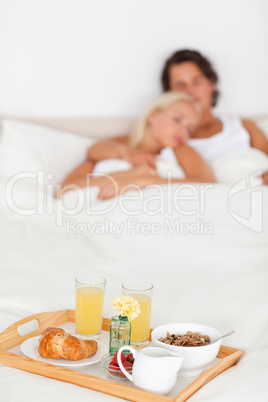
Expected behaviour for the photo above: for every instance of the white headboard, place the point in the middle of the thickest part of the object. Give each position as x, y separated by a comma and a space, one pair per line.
106, 127
104, 58
88, 126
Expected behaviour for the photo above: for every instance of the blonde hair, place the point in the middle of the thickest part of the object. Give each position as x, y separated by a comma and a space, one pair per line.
163, 102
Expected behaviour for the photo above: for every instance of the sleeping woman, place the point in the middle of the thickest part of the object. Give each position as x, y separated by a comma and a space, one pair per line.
167, 125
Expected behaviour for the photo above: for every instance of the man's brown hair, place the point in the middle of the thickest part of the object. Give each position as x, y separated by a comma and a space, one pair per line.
199, 60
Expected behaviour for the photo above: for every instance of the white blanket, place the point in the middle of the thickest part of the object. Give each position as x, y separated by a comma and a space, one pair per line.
204, 247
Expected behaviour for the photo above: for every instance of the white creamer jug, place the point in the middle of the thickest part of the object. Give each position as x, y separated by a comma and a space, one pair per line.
154, 369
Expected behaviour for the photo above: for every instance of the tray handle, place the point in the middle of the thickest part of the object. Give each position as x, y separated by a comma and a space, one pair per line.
31, 326
28, 327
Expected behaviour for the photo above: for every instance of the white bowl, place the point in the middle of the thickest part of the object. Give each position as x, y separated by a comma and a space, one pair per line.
195, 357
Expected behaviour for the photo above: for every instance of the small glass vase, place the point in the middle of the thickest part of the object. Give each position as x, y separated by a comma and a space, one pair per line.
120, 331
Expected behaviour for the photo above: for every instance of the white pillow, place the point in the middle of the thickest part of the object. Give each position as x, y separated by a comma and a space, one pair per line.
28, 147
240, 164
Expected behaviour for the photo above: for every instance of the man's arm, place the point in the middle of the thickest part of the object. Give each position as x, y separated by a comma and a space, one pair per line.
118, 148
106, 149
258, 139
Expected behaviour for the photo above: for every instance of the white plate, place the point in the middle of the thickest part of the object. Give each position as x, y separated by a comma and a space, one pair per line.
30, 349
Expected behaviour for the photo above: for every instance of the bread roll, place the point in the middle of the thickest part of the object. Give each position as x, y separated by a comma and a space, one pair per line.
55, 343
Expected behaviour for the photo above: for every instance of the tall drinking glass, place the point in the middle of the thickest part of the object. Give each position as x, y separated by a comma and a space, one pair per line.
140, 326
89, 304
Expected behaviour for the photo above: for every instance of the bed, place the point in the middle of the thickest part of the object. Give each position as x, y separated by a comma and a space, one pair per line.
203, 246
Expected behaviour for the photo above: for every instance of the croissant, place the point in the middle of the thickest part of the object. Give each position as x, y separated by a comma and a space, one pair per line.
55, 343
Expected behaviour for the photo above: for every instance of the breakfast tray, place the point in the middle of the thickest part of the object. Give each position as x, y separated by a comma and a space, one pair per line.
17, 333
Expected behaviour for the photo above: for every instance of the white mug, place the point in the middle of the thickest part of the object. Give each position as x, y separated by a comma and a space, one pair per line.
154, 369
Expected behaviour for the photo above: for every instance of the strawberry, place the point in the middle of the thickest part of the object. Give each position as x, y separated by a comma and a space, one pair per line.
128, 367
130, 358
123, 358
113, 368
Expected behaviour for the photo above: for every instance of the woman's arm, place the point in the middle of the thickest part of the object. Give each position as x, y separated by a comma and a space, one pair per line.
75, 177
194, 166
196, 170
143, 176
108, 180
101, 150
258, 139
118, 148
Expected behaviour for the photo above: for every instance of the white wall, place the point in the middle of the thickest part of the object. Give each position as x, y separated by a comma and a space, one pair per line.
104, 57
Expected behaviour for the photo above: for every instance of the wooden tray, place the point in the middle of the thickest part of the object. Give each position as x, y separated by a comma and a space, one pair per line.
13, 336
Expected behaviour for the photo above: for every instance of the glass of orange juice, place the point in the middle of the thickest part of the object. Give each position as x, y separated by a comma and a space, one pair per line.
89, 291
140, 326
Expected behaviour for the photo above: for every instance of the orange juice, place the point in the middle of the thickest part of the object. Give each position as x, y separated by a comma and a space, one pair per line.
140, 326
88, 311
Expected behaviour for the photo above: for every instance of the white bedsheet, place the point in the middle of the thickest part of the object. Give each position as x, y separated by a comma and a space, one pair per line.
211, 270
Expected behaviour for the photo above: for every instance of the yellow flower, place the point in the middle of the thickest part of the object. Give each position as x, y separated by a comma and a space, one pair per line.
127, 305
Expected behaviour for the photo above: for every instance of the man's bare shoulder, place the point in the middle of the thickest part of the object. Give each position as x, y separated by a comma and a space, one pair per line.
121, 138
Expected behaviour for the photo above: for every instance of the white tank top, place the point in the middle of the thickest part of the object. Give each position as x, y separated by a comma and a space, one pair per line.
232, 137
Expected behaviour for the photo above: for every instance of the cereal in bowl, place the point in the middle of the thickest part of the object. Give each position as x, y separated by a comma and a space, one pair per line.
188, 339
